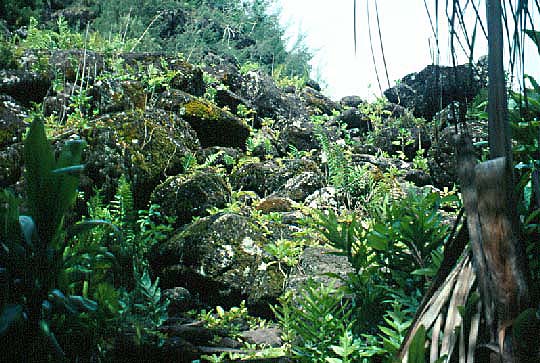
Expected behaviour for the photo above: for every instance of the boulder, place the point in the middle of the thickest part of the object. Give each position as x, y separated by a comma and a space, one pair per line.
353, 118
441, 156
220, 258
76, 64
186, 196
11, 160
301, 134
300, 186
213, 125
173, 22
116, 95
223, 156
274, 204
351, 101
268, 100
313, 84
406, 138
227, 98
186, 77
418, 177
422, 93
320, 265
318, 104
225, 70
269, 337
25, 87
324, 198
180, 300
72, 64
145, 146
268, 177
76, 16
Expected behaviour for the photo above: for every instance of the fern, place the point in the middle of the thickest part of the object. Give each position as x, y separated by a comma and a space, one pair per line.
315, 322
122, 209
147, 299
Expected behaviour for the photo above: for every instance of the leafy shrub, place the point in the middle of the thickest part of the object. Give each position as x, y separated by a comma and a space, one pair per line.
140, 231
314, 321
410, 240
33, 260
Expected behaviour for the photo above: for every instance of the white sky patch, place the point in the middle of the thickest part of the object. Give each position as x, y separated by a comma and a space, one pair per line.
406, 36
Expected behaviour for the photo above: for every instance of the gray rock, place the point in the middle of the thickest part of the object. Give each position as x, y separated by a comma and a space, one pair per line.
317, 103
420, 91
351, 101
268, 100
145, 146
268, 177
265, 336
355, 119
221, 258
214, 126
299, 187
188, 78
23, 86
323, 198
315, 264
12, 121
186, 196
180, 300
300, 134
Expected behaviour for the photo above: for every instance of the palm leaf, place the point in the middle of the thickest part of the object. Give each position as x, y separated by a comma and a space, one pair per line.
443, 308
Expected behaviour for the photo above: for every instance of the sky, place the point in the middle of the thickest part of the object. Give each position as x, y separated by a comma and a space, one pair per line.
406, 38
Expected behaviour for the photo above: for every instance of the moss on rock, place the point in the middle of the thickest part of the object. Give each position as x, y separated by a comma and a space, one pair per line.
187, 196
221, 258
146, 146
214, 126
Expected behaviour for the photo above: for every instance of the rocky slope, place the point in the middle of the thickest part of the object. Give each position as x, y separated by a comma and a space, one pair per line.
256, 167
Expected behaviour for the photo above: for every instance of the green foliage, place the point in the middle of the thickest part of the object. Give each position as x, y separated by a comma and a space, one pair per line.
344, 234
60, 38
285, 251
34, 250
249, 67
140, 231
314, 322
7, 56
393, 333
283, 80
347, 350
19, 12
409, 240
342, 173
232, 320
146, 309
244, 31
128, 295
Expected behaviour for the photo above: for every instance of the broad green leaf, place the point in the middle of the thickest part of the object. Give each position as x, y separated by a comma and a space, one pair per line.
535, 84
58, 298
28, 229
377, 240
39, 162
428, 271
